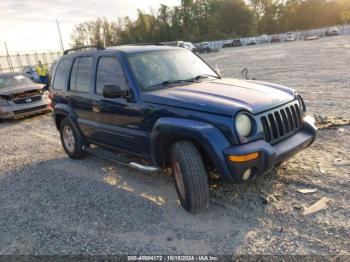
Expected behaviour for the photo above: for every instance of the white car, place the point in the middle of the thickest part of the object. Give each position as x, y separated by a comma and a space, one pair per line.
332, 31
251, 41
291, 36
189, 46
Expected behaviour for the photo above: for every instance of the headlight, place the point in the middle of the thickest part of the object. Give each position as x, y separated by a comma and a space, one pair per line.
243, 125
46, 94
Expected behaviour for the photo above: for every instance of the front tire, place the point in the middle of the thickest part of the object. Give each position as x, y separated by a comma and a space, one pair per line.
190, 175
71, 141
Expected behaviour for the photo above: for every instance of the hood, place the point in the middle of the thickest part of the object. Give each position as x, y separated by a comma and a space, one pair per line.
9, 91
223, 96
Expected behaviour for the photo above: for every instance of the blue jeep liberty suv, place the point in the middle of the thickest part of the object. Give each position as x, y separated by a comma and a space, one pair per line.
166, 107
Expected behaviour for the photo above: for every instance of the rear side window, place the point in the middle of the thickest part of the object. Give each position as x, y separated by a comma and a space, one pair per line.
81, 74
61, 74
109, 71
73, 75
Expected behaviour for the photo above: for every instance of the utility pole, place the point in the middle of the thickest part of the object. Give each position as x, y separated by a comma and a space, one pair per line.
59, 34
8, 58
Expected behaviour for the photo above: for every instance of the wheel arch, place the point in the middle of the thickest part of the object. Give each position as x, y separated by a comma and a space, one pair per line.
63, 111
206, 137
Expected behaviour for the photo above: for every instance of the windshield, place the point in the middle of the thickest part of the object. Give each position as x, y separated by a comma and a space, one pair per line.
153, 68
14, 81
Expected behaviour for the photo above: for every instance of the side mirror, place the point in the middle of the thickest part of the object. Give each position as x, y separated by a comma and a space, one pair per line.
112, 91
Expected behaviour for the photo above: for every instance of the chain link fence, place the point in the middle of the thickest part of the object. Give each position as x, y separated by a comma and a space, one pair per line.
15, 63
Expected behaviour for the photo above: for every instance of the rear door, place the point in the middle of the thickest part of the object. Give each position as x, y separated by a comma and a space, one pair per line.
79, 92
119, 120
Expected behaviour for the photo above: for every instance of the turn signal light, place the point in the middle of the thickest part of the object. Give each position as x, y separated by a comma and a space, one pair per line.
244, 158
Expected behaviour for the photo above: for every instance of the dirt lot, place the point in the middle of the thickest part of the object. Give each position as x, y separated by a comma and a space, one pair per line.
50, 204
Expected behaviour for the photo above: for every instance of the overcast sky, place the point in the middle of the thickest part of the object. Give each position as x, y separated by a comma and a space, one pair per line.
29, 25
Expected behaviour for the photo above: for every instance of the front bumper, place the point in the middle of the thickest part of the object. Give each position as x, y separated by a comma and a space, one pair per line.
17, 111
270, 155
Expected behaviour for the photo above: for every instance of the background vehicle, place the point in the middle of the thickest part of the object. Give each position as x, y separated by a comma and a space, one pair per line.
275, 39
227, 43
236, 42
30, 72
205, 47
291, 36
166, 106
189, 46
251, 41
310, 37
173, 43
332, 31
263, 39
20, 96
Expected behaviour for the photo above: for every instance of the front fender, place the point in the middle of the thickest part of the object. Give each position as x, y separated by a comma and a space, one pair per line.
211, 138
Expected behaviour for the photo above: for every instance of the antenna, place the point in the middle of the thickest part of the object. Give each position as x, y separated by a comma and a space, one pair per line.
59, 34
8, 58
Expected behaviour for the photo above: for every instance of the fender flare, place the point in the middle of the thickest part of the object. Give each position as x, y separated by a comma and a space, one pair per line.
66, 111
211, 138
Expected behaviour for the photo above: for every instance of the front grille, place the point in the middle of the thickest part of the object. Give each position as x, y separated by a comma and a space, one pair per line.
17, 112
27, 100
281, 122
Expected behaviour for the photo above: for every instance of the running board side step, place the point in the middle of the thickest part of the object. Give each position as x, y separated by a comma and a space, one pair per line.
98, 152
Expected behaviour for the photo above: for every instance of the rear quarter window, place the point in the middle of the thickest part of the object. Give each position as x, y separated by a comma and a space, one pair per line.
61, 74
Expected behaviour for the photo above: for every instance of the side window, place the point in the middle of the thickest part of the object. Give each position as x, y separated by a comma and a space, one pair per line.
73, 74
81, 74
61, 74
109, 71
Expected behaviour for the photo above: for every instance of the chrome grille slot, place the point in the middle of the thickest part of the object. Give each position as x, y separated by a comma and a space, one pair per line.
273, 126
30, 109
27, 100
266, 128
281, 122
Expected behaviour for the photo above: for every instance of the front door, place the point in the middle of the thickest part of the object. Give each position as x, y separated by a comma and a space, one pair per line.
118, 121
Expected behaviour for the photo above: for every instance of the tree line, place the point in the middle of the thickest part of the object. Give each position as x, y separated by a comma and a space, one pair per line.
199, 20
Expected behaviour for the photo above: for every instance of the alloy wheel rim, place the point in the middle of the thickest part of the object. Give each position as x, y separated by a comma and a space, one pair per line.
69, 139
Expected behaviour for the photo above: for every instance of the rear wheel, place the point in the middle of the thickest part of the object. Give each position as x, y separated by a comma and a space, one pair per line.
71, 140
190, 175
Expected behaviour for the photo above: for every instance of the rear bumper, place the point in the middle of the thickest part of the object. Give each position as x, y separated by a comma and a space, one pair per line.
270, 155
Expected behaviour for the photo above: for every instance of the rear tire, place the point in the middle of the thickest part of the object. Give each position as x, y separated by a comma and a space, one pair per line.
71, 141
190, 175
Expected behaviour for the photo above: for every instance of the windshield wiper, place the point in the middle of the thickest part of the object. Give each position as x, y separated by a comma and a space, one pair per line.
170, 82
203, 76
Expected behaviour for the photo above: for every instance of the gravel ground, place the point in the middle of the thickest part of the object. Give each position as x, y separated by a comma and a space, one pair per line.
318, 69
50, 204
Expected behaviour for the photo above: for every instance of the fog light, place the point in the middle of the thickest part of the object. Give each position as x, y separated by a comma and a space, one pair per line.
246, 174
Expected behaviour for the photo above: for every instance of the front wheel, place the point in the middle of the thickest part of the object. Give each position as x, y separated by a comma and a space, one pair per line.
191, 178
71, 140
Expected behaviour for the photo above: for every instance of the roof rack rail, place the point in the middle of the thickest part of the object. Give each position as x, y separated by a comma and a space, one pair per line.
98, 47
141, 44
